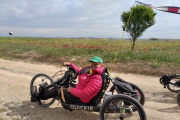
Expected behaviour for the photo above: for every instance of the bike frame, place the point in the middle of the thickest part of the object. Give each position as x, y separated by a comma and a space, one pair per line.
110, 104
174, 77
86, 107
59, 81
166, 79
82, 106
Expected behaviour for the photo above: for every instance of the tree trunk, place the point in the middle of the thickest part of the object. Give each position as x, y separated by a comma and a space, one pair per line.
133, 44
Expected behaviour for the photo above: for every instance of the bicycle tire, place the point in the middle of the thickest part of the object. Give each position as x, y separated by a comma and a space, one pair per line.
41, 102
142, 100
126, 98
178, 98
172, 89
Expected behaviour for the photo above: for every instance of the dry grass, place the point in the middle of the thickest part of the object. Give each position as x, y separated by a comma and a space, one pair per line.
144, 68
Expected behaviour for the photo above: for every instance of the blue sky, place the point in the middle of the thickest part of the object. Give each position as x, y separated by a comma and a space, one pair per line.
80, 18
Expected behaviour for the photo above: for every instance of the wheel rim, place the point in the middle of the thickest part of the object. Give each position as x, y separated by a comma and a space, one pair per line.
39, 80
114, 110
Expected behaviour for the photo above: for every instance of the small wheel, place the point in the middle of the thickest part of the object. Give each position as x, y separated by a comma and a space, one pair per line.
121, 117
138, 90
178, 98
114, 108
36, 81
173, 88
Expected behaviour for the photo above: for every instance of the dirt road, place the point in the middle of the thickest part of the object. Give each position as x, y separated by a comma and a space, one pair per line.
15, 102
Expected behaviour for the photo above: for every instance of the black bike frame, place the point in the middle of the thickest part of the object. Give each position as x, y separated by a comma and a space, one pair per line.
80, 106
59, 81
86, 107
177, 75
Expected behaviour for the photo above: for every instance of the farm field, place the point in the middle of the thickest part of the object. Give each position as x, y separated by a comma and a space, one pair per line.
150, 57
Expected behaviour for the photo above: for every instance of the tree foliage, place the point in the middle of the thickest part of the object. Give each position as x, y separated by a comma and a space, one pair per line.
142, 18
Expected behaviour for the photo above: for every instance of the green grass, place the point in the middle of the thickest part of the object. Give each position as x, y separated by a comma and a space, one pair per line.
145, 50
3, 110
1, 118
150, 57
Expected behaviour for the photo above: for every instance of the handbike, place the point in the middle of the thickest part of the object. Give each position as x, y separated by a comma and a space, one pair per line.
110, 107
172, 82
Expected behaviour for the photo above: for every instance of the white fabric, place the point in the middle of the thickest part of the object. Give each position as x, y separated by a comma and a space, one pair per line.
163, 8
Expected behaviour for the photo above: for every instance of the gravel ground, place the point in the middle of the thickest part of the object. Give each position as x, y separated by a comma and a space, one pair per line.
15, 78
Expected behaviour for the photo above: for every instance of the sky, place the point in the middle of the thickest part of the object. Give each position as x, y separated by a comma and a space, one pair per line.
81, 18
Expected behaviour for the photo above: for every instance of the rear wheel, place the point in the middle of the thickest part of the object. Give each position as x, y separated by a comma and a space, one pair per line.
140, 93
173, 88
38, 80
178, 98
114, 107
138, 90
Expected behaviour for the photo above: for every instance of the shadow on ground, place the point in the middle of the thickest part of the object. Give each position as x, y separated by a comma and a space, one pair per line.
28, 110
162, 97
175, 109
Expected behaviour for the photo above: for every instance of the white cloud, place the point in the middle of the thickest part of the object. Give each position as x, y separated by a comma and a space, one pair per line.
80, 18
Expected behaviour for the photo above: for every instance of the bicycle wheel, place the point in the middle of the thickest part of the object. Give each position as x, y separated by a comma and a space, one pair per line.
140, 93
178, 98
36, 81
114, 107
173, 88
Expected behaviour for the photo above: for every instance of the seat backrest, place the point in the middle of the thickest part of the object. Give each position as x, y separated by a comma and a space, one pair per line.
105, 85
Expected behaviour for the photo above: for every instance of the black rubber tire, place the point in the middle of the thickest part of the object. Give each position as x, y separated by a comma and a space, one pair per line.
139, 107
142, 100
178, 98
32, 83
172, 90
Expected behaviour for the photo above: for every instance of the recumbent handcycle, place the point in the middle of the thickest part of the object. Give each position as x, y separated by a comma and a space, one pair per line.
123, 102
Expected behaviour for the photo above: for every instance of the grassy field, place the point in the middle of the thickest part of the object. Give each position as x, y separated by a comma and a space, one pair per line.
151, 54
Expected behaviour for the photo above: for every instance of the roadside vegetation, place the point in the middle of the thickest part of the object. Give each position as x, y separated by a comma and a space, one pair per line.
136, 23
150, 57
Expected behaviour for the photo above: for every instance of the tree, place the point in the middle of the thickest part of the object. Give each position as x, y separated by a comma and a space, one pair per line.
142, 18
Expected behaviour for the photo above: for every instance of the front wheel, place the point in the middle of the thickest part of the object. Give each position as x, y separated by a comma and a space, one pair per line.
114, 107
38, 80
178, 98
173, 88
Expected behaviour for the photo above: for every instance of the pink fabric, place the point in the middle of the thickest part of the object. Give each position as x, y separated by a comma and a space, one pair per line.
88, 85
171, 9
